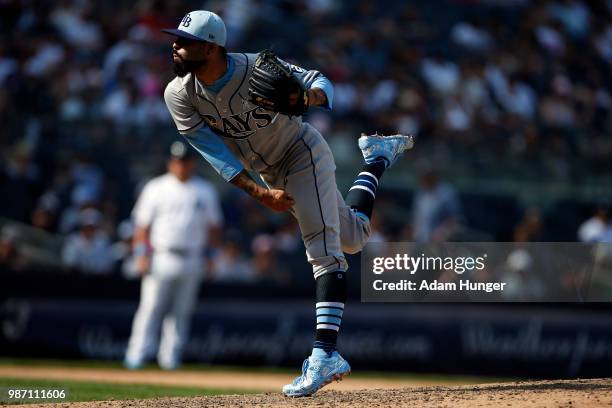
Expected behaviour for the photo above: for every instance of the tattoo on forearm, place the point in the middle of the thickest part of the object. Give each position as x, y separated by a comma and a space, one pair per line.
244, 181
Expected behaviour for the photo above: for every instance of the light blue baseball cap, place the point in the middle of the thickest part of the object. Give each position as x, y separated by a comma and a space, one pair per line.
201, 25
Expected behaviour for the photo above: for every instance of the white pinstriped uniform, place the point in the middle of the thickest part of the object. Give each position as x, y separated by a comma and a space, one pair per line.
179, 216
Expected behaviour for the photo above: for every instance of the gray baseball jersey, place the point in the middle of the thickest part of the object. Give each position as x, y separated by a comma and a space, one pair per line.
258, 138
231, 133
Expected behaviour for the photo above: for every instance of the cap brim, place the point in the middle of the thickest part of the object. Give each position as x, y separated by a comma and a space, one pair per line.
180, 33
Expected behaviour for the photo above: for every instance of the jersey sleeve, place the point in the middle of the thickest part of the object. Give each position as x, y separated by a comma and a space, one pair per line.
144, 210
215, 152
186, 118
314, 79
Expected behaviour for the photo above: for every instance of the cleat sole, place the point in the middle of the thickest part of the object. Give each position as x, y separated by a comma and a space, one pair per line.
337, 377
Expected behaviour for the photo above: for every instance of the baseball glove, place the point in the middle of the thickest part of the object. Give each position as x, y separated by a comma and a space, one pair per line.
273, 86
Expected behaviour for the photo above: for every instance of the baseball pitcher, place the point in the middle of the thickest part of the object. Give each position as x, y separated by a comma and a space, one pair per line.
242, 112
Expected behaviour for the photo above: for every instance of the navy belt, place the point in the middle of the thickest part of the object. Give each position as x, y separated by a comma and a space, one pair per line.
182, 251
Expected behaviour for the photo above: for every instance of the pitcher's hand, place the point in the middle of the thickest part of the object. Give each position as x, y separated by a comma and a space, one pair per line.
277, 200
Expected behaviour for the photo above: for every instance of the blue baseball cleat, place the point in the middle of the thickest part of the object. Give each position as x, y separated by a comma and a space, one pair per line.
316, 373
388, 147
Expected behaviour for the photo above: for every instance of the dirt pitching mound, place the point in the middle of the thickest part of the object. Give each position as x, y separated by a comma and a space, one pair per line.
571, 393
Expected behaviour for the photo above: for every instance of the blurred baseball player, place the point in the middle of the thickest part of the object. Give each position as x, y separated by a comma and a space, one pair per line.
176, 216
242, 112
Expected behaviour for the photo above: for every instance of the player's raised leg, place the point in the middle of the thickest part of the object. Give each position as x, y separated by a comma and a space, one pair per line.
379, 153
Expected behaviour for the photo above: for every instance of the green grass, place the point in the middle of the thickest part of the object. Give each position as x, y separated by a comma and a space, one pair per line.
465, 379
90, 391
50, 362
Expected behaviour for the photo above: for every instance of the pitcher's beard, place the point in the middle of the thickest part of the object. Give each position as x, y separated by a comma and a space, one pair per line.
184, 67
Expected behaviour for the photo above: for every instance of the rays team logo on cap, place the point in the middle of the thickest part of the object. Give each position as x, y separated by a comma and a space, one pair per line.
186, 21
201, 25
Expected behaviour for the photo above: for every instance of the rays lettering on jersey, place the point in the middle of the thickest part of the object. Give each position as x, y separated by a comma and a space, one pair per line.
241, 125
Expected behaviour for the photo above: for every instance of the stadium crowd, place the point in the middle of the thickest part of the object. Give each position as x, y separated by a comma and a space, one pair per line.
489, 87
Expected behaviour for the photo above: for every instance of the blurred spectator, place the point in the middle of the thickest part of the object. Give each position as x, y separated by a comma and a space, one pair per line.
48, 56
471, 37
556, 111
456, 117
592, 229
45, 215
230, 264
265, 261
574, 15
522, 277
518, 98
550, 39
20, 183
238, 15
130, 49
436, 209
441, 76
83, 197
474, 93
87, 174
377, 229
529, 229
88, 250
288, 238
122, 251
75, 21
603, 43
10, 258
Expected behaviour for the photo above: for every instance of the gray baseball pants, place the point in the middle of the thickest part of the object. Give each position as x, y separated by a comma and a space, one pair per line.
329, 227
